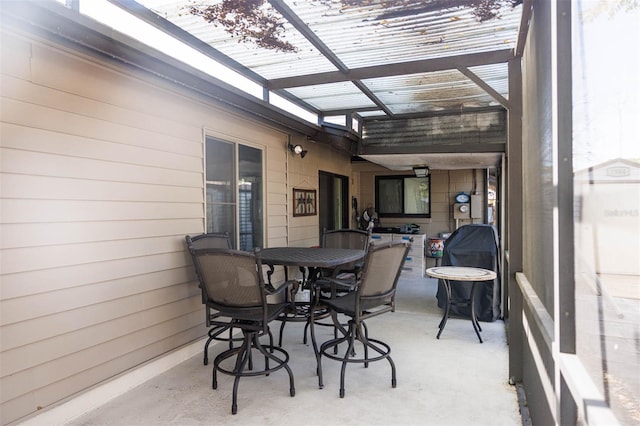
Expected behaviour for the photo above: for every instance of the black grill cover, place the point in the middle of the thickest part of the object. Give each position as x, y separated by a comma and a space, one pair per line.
473, 245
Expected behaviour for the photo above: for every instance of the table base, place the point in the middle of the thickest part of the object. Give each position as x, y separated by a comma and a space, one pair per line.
467, 302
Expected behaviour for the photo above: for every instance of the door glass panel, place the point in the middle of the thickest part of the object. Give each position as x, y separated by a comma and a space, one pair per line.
221, 170
333, 205
242, 219
337, 203
250, 197
220, 217
221, 187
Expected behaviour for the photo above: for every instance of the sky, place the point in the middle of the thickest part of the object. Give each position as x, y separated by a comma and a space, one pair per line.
606, 85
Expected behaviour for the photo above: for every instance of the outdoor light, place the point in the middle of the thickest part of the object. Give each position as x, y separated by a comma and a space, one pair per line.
298, 150
421, 171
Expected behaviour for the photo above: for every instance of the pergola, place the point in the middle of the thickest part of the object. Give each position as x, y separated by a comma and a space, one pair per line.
379, 76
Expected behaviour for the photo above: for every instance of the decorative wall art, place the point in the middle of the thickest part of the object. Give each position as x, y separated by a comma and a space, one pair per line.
304, 202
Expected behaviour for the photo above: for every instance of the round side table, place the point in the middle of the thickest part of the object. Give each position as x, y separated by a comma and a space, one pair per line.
461, 273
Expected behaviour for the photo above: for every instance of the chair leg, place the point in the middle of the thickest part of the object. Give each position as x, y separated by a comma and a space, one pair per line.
284, 363
282, 324
206, 349
230, 337
384, 353
270, 340
393, 372
241, 362
314, 343
213, 333
325, 347
357, 330
362, 334
335, 336
304, 333
290, 297
240, 353
255, 344
351, 338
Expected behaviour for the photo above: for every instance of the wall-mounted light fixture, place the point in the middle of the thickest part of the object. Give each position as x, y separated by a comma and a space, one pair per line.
298, 150
421, 171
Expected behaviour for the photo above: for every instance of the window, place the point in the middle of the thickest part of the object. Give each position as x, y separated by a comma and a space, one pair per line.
234, 192
403, 196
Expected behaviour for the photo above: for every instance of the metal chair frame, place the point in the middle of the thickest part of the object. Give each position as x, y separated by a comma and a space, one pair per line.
211, 240
374, 295
234, 286
326, 281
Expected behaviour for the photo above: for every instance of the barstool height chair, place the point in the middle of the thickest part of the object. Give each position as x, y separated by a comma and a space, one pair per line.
211, 240
234, 287
374, 295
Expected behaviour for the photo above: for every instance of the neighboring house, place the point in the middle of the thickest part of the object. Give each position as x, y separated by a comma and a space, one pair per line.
609, 209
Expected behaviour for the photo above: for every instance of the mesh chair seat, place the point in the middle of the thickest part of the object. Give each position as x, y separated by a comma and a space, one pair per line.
347, 304
256, 314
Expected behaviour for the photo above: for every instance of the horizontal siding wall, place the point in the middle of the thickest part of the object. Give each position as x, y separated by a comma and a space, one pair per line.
304, 231
101, 177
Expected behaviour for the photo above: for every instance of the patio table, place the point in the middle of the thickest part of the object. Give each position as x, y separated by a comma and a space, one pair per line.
461, 274
311, 258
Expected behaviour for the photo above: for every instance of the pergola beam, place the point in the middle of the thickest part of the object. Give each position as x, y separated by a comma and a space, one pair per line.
432, 149
304, 29
484, 86
387, 70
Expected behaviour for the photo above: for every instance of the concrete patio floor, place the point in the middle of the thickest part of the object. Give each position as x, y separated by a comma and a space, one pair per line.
451, 381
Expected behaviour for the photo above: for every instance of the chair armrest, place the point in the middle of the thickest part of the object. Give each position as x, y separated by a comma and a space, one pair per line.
336, 283
271, 290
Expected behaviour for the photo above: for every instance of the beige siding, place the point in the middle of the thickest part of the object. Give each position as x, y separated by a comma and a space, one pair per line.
303, 173
101, 174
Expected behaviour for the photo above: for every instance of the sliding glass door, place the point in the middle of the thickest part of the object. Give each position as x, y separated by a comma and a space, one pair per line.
234, 192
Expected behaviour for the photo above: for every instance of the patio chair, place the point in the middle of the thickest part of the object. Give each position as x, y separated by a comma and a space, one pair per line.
319, 278
211, 240
234, 286
330, 283
346, 238
373, 296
